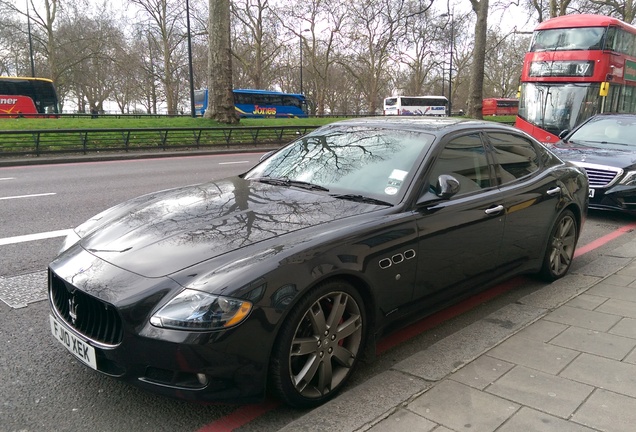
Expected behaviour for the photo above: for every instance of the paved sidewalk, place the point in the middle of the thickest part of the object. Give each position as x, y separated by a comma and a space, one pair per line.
561, 359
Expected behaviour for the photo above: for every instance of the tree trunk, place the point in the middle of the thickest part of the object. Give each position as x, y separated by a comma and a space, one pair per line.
476, 92
220, 95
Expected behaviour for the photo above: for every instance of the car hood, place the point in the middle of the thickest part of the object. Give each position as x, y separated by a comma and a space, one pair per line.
159, 234
575, 152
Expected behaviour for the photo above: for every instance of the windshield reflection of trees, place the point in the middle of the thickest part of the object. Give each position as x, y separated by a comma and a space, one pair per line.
328, 158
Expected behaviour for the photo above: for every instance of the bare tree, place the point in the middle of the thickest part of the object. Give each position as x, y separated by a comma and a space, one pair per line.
624, 10
255, 45
504, 60
372, 32
166, 16
220, 95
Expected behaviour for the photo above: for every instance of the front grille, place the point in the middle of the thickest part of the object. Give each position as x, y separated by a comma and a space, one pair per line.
89, 316
600, 176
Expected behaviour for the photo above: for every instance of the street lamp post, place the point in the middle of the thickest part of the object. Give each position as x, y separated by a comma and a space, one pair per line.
190, 69
300, 47
30, 40
450, 67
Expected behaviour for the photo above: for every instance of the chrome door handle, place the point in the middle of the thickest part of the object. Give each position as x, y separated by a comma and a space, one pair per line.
494, 210
554, 191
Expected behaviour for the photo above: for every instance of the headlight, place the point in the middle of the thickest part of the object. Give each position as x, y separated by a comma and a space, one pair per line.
196, 310
70, 240
629, 179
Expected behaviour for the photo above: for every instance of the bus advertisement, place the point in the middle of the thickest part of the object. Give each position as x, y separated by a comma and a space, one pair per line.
416, 106
499, 106
259, 103
577, 66
27, 97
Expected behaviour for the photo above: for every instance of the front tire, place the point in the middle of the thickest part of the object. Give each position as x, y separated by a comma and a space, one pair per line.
561, 245
319, 345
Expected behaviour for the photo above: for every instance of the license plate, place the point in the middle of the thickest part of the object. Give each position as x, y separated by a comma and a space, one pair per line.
76, 346
591, 193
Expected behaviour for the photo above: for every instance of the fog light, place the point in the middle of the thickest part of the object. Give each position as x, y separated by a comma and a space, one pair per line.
203, 379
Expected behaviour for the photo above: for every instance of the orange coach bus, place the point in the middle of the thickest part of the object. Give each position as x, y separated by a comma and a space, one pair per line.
27, 97
577, 66
499, 106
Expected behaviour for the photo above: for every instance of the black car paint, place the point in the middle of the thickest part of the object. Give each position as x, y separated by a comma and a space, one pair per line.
387, 252
616, 196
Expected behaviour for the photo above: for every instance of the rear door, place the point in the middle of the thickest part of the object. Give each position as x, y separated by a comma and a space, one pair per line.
459, 238
531, 195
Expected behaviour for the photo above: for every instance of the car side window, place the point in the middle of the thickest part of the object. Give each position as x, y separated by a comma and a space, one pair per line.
515, 156
465, 159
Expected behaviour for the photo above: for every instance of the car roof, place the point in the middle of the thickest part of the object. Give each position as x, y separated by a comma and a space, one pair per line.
433, 125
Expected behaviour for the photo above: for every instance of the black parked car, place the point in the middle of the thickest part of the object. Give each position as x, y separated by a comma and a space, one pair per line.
284, 277
605, 146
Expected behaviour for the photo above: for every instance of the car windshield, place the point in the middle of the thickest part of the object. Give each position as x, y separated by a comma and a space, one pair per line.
612, 133
348, 162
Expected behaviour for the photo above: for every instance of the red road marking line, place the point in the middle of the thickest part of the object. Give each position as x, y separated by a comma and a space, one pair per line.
246, 414
605, 239
240, 417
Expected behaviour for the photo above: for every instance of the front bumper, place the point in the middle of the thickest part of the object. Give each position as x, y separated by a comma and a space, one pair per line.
109, 309
622, 198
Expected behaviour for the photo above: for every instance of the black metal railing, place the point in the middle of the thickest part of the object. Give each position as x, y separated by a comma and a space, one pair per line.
85, 141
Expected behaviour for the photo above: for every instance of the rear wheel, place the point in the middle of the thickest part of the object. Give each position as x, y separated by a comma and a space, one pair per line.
319, 345
560, 251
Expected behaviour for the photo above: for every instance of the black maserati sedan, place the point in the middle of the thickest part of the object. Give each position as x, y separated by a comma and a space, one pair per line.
605, 146
281, 279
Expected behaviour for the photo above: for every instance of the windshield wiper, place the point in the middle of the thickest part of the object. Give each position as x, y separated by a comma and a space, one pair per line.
289, 182
362, 199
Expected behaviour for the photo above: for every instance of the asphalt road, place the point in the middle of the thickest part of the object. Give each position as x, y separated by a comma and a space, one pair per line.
43, 388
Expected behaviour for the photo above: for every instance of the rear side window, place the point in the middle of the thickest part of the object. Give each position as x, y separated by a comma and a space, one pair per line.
515, 156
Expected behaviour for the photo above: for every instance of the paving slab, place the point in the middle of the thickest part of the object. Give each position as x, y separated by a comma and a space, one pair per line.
613, 375
583, 318
404, 420
594, 342
604, 289
530, 420
482, 372
607, 411
625, 327
534, 354
622, 308
542, 331
586, 301
462, 408
548, 393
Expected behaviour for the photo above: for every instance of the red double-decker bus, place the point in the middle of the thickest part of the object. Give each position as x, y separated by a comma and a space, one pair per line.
577, 66
499, 106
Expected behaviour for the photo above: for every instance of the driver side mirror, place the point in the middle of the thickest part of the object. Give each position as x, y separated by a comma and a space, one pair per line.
446, 186
564, 133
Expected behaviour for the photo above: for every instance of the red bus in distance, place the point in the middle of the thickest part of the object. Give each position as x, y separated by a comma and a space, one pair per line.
577, 66
499, 106
27, 97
